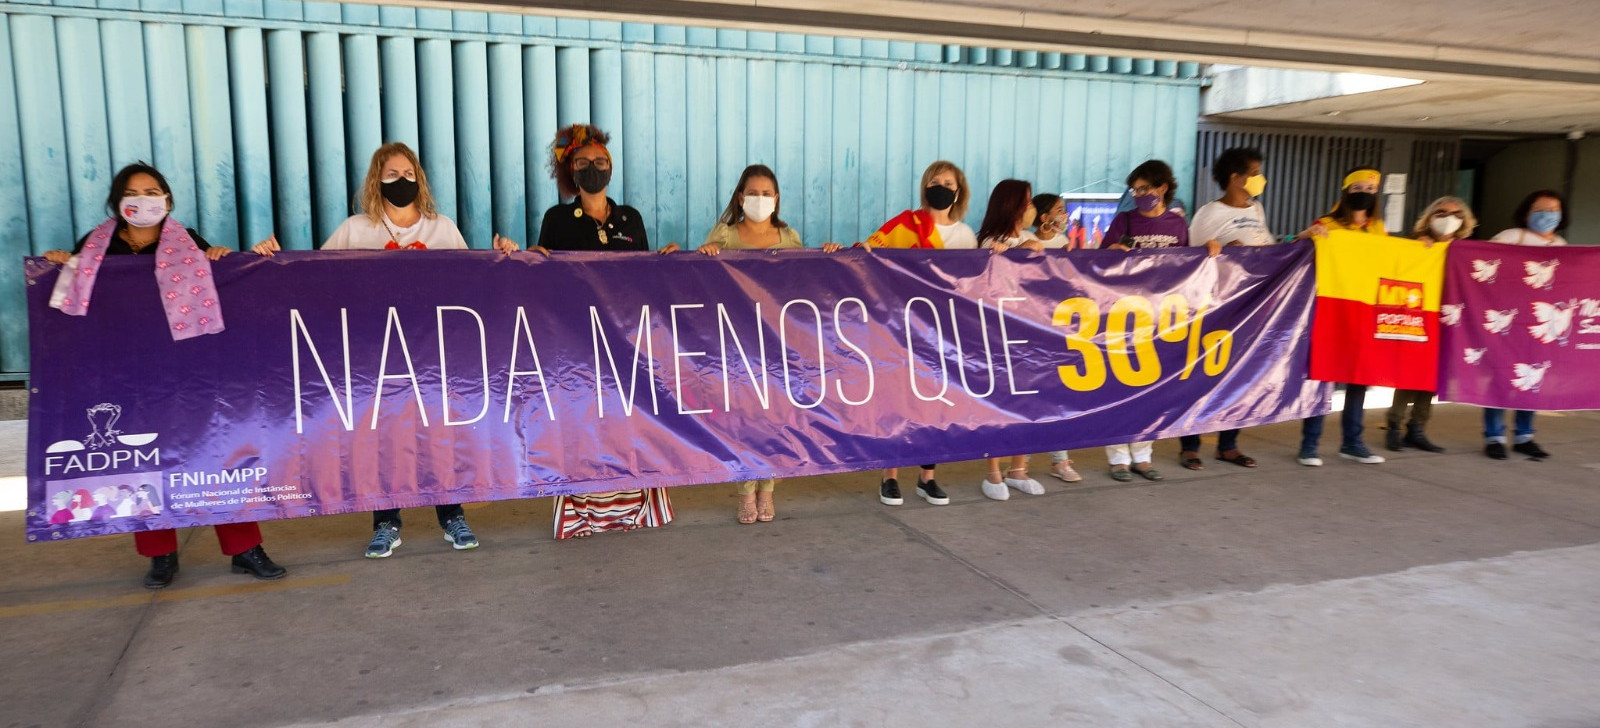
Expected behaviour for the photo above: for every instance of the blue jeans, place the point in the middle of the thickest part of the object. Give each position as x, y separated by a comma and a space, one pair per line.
1350, 422
1494, 425
1226, 440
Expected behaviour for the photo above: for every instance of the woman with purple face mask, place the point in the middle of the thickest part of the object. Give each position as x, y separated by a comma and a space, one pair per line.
1540, 219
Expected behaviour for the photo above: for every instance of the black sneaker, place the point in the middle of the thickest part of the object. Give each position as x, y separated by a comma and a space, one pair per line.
1496, 450
889, 492
930, 491
1421, 442
1531, 449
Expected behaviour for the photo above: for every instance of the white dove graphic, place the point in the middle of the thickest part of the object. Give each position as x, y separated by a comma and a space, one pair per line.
1555, 322
1484, 271
1472, 356
1540, 275
1498, 322
1450, 313
1529, 376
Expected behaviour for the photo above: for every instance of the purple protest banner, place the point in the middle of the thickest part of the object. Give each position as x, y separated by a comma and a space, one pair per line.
1520, 326
361, 381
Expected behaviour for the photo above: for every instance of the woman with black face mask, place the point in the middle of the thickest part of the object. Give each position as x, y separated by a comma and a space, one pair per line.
397, 213
1356, 210
581, 166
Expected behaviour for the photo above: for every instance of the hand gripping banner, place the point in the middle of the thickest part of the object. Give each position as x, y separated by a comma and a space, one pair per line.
359, 381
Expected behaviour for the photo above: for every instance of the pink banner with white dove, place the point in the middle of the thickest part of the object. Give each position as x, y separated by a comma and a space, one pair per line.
1520, 326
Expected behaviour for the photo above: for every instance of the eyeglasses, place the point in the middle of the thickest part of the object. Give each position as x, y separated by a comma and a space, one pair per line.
600, 163
392, 175
1143, 190
1449, 213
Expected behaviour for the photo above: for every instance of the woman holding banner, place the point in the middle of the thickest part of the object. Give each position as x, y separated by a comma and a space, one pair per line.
1446, 219
1356, 210
1151, 224
937, 224
751, 222
1051, 231
140, 203
1235, 219
398, 213
1540, 219
1005, 227
581, 166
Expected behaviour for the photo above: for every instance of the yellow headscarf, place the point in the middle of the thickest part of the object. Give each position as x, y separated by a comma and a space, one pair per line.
1359, 176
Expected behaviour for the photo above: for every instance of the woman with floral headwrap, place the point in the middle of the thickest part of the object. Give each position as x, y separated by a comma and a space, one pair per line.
1356, 210
593, 221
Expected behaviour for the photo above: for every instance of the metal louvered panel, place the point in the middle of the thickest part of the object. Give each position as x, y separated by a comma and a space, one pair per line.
1304, 167
262, 116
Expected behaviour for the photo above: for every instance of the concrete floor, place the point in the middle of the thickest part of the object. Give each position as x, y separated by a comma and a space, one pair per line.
1433, 590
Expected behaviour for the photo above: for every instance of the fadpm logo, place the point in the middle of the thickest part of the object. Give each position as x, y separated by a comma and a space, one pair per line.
104, 448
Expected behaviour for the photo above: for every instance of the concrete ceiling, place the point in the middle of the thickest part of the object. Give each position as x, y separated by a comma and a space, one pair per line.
1488, 65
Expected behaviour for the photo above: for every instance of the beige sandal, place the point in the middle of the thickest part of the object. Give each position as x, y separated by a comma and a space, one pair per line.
747, 508
764, 510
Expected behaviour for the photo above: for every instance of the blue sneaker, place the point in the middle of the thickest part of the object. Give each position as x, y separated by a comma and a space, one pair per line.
385, 539
1309, 458
459, 535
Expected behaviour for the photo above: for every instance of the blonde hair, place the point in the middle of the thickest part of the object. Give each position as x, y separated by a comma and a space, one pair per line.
958, 210
1469, 222
372, 190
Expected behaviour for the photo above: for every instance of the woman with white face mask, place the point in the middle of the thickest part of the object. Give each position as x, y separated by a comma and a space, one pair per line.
751, 222
1447, 219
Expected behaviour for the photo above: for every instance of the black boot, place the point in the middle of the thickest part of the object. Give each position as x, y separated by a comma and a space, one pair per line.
256, 562
1392, 439
162, 570
1418, 439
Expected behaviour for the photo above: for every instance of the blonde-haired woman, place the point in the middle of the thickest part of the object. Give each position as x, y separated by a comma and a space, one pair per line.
1447, 219
398, 213
936, 224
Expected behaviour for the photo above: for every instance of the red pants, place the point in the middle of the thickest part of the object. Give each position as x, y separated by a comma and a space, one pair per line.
236, 538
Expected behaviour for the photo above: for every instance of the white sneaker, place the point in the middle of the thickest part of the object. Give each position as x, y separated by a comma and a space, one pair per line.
995, 491
1026, 485
1310, 462
1363, 458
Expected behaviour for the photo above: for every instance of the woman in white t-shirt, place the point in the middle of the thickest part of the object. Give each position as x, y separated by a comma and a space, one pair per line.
937, 224
397, 213
1540, 218
1232, 220
1005, 227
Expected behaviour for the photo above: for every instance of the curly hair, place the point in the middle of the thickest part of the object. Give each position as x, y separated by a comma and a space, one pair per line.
372, 187
569, 140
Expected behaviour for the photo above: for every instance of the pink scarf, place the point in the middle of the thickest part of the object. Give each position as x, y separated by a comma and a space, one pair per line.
183, 274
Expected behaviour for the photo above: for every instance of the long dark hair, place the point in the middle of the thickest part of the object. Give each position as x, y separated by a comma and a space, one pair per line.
1011, 197
119, 183
1343, 216
1525, 207
734, 212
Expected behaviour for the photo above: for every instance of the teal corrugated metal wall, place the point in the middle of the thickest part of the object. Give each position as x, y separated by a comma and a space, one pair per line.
262, 114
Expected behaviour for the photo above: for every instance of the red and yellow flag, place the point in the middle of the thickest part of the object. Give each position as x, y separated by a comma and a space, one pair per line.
1377, 316
909, 229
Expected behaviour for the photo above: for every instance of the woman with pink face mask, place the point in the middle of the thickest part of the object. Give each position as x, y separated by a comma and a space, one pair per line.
139, 203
